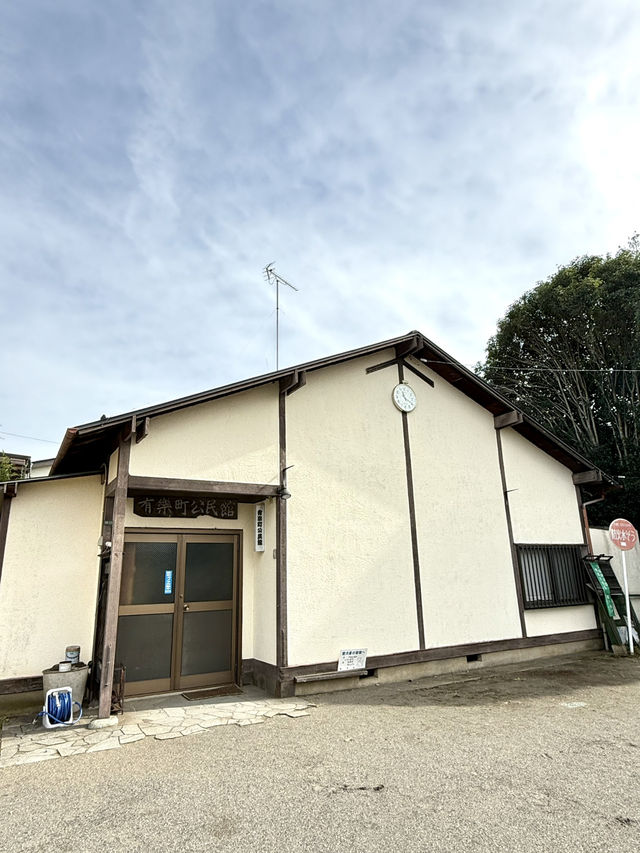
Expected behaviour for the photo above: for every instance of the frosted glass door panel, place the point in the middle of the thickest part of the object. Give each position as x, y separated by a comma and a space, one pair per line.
209, 571
206, 644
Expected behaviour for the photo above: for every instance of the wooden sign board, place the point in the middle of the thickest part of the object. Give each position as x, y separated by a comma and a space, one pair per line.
259, 545
154, 506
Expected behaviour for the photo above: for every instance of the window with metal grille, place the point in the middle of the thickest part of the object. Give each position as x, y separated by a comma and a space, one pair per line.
552, 575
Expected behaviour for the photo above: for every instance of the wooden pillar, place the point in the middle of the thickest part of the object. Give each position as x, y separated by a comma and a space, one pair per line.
9, 494
281, 545
514, 554
115, 575
413, 525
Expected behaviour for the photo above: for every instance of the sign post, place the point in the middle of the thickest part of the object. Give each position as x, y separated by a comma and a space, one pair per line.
624, 536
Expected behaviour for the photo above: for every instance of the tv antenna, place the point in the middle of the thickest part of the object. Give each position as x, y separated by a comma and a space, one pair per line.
272, 277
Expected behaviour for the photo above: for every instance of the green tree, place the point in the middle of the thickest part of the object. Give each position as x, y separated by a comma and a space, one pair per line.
568, 353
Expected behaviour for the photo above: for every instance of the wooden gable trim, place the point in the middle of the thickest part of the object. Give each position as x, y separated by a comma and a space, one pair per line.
382, 365
408, 347
168, 485
87, 444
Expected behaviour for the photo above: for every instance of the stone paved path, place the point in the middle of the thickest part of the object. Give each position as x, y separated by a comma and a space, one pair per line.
26, 743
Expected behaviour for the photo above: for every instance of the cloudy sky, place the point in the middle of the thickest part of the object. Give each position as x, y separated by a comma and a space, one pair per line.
404, 164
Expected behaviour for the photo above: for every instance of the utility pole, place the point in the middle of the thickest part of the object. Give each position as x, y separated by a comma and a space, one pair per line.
272, 277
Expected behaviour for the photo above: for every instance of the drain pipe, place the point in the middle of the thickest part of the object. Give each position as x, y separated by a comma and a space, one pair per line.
587, 529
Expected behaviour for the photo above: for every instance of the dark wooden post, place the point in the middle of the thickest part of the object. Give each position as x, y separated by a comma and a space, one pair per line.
115, 575
9, 493
500, 422
281, 545
413, 524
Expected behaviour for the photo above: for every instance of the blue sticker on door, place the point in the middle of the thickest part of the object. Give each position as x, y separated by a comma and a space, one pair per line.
168, 582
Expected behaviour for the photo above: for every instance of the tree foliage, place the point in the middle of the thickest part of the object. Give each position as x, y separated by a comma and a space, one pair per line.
8, 471
568, 353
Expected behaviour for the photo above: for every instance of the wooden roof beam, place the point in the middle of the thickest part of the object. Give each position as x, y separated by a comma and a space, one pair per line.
583, 477
512, 418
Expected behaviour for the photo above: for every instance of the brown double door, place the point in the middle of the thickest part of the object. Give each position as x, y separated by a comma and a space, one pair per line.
178, 615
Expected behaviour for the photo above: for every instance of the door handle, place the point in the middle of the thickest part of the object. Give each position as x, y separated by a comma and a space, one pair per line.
185, 607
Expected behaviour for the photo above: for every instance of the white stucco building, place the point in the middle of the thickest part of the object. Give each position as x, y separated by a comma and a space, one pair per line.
252, 532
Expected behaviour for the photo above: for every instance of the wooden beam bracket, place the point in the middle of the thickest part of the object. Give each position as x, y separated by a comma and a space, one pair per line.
408, 347
142, 430
581, 478
128, 433
512, 418
293, 381
420, 375
382, 365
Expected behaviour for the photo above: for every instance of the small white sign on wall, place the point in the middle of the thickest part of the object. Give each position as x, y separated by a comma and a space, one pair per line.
259, 527
352, 659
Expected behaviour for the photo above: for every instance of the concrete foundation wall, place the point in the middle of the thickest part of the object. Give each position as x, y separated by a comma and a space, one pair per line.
411, 672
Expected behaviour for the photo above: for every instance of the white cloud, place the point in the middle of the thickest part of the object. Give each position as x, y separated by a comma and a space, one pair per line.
407, 165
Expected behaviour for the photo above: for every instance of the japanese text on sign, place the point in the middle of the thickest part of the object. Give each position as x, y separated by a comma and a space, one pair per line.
352, 659
161, 507
260, 527
623, 534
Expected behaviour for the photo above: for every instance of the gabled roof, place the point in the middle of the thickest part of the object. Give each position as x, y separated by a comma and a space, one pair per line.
87, 446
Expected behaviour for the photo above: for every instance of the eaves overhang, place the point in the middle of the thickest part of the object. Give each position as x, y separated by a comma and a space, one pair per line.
88, 446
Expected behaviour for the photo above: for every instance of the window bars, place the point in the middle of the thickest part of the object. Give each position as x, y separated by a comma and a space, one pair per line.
552, 576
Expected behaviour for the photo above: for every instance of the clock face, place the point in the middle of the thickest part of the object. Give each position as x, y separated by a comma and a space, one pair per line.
404, 397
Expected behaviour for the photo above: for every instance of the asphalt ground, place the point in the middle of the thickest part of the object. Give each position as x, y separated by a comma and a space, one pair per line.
510, 759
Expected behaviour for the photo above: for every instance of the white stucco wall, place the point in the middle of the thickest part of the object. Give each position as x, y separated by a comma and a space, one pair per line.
234, 439
350, 569
50, 574
468, 589
559, 620
542, 497
258, 571
40, 468
112, 471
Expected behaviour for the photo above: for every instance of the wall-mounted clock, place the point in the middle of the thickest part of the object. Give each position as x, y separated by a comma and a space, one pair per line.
404, 397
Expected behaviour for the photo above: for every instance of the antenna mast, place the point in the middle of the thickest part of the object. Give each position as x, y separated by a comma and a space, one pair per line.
272, 277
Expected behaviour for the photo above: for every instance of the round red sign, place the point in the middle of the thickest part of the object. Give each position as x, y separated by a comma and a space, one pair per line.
623, 534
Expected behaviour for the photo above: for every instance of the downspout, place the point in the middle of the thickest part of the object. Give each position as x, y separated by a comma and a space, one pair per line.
587, 529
